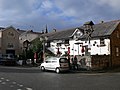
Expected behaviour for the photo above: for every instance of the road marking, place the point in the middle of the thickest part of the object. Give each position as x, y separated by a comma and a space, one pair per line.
21, 85
19, 89
11, 86
3, 83
2, 78
29, 88
14, 82
7, 80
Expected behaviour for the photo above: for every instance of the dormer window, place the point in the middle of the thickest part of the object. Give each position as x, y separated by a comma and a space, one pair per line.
77, 33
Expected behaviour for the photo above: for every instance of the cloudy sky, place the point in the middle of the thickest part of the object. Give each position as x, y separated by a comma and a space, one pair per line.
58, 14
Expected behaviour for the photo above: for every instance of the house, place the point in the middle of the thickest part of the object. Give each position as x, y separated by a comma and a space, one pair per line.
104, 47
104, 44
61, 41
9, 41
27, 35
12, 39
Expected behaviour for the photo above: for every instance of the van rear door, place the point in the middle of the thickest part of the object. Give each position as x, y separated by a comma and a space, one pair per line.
64, 62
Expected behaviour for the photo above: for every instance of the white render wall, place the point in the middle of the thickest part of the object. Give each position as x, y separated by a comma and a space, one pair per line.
53, 47
76, 49
100, 50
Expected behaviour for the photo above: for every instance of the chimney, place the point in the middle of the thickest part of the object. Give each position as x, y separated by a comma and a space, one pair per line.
42, 32
102, 22
31, 30
54, 30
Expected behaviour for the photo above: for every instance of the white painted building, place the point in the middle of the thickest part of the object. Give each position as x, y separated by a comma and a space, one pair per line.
76, 49
103, 46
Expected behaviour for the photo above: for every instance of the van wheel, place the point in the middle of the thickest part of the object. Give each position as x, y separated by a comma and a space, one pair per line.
57, 70
42, 68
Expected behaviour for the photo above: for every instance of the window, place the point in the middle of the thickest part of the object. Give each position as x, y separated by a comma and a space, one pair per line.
10, 33
10, 45
66, 42
118, 35
102, 42
54, 61
117, 51
48, 61
63, 60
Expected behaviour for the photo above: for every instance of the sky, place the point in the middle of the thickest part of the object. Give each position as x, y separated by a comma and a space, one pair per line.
56, 14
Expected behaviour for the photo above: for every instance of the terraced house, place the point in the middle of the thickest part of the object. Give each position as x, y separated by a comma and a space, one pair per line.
103, 48
9, 41
12, 39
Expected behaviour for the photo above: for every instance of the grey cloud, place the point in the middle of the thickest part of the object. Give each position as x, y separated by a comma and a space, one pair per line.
57, 14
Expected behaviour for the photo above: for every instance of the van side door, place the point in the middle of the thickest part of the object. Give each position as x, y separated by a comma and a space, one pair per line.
47, 65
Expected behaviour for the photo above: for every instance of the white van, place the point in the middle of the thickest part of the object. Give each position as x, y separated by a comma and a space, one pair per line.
56, 64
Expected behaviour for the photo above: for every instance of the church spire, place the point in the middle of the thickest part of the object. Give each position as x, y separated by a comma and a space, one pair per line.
46, 30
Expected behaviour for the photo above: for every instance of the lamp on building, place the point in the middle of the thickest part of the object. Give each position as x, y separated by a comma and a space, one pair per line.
44, 40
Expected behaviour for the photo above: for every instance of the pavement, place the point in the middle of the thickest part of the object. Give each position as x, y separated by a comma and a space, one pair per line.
110, 70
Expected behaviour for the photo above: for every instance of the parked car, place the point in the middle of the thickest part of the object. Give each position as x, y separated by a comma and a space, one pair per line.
8, 59
57, 64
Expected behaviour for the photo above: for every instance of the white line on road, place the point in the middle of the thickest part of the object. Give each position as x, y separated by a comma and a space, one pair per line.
2, 78
29, 88
19, 89
21, 85
7, 80
14, 82
3, 83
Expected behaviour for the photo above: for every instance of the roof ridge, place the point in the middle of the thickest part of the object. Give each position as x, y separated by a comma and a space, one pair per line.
108, 22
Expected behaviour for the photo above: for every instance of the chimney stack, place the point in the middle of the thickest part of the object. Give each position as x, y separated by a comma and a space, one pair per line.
54, 30
102, 22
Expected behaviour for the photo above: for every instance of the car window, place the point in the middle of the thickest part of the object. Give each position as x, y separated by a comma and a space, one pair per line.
54, 61
48, 61
63, 60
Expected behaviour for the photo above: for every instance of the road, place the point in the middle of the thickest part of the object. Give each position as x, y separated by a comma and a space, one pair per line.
19, 78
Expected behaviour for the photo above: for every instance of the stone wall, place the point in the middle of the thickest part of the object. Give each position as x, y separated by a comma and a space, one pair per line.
100, 61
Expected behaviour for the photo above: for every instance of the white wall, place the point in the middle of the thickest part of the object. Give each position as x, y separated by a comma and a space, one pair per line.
100, 50
76, 49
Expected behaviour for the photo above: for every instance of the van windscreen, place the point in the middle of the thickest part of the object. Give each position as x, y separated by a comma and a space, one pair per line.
63, 60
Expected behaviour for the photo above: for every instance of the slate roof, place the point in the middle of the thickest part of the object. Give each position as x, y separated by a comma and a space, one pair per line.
21, 31
2, 28
100, 30
104, 29
59, 35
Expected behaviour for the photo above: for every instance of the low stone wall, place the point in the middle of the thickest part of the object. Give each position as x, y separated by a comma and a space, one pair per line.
100, 61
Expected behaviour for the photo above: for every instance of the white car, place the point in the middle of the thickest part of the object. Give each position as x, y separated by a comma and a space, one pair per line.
56, 64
